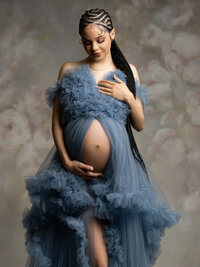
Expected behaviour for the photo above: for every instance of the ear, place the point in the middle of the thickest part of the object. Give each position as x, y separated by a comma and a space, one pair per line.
112, 34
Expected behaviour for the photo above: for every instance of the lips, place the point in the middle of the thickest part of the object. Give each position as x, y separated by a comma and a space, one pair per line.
96, 54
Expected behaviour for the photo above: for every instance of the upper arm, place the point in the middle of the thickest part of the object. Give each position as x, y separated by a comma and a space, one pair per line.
135, 72
56, 105
143, 94
136, 77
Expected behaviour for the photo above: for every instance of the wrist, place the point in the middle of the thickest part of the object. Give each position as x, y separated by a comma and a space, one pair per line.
129, 98
66, 159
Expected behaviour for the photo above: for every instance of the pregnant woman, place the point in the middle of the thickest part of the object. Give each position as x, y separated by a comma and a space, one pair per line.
94, 200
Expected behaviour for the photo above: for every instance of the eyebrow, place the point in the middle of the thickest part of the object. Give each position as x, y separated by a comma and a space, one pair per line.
95, 38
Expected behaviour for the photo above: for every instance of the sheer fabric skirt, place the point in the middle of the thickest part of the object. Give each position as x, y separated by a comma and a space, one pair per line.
131, 207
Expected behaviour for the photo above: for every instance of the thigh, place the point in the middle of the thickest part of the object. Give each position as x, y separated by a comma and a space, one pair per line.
97, 247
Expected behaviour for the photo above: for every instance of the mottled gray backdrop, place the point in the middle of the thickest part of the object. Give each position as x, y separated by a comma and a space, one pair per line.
161, 38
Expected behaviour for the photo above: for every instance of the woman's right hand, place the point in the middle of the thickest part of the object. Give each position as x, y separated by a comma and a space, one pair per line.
82, 169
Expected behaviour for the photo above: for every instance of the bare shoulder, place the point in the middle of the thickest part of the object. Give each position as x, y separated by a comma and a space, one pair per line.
135, 72
66, 66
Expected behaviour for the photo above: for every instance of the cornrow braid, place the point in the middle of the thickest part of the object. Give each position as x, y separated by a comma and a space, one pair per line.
102, 18
97, 16
121, 63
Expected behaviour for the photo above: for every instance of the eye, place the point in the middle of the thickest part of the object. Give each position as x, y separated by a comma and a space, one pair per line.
88, 43
101, 41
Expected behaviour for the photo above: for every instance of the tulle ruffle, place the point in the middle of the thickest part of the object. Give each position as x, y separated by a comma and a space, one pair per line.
143, 92
132, 210
80, 97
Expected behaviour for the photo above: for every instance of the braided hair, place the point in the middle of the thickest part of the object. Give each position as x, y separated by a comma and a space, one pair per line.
102, 18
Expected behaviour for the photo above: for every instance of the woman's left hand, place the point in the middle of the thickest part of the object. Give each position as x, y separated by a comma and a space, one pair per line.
118, 90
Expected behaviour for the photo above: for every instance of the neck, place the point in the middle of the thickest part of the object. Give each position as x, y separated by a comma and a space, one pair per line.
99, 65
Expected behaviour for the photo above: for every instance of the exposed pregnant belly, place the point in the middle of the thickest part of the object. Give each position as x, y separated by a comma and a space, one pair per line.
96, 146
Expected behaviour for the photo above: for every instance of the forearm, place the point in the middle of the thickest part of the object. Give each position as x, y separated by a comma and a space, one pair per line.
57, 132
136, 115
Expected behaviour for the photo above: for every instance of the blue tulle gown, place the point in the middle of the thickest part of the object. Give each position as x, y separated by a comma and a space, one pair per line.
130, 206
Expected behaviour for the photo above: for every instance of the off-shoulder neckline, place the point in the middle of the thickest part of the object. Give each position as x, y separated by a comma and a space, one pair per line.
104, 76
86, 66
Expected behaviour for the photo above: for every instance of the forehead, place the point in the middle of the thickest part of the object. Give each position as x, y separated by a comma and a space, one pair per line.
93, 31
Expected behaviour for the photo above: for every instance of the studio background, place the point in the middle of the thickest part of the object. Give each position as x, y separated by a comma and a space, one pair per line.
161, 38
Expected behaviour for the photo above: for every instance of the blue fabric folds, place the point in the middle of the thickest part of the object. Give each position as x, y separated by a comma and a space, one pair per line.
132, 210
52, 92
143, 92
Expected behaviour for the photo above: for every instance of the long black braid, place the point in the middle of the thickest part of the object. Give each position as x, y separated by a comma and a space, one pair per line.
102, 18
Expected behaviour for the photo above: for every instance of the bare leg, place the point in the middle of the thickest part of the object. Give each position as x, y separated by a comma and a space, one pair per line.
97, 246
96, 151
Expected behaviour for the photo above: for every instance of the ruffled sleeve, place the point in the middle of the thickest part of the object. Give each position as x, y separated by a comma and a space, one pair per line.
52, 92
143, 92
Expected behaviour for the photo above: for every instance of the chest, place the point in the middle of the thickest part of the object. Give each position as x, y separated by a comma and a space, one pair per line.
99, 75
81, 98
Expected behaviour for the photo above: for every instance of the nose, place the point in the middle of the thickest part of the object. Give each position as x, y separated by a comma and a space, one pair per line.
95, 47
